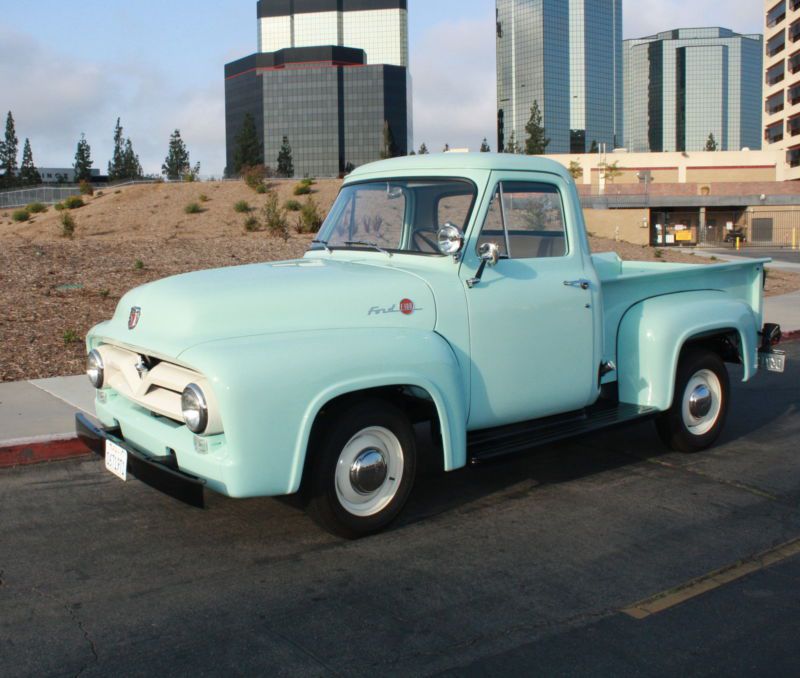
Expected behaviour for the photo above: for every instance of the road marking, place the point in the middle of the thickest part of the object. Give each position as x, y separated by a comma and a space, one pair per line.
708, 582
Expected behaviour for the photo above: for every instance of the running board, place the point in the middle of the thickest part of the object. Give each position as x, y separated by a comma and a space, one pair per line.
489, 444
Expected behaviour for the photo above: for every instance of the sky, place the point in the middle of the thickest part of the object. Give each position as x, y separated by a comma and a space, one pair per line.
68, 69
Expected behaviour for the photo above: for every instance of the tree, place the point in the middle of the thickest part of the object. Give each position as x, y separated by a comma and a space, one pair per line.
28, 174
423, 150
536, 143
285, 162
131, 168
511, 145
115, 164
248, 151
8, 153
446, 148
575, 169
594, 148
176, 164
485, 148
611, 171
388, 149
83, 160
711, 142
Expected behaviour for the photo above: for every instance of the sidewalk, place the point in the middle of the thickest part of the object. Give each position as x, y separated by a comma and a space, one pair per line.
37, 418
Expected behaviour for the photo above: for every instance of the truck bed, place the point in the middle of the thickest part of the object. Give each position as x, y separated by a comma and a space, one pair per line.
625, 283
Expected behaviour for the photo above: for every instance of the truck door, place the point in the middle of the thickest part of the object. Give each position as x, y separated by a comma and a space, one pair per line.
532, 315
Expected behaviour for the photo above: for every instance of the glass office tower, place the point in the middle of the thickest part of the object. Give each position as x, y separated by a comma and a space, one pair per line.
682, 85
567, 56
331, 99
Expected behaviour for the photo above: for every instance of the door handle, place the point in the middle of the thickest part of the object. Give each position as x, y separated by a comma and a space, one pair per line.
581, 282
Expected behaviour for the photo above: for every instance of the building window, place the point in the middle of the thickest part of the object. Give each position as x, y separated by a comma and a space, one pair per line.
774, 104
778, 13
774, 132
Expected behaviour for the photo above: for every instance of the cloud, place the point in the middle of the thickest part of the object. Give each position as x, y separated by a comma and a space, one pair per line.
641, 19
453, 71
55, 97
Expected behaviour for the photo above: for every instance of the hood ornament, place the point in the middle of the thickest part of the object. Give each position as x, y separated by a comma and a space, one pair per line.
133, 318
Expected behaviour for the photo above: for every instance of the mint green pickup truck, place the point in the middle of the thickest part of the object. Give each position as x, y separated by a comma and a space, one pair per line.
456, 290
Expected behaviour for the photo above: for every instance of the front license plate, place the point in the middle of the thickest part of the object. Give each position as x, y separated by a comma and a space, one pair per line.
117, 460
772, 362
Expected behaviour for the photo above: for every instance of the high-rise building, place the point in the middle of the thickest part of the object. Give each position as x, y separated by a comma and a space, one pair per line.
782, 80
685, 84
565, 55
332, 77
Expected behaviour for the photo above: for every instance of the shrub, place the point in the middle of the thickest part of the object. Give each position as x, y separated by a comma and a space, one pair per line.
242, 207
138, 265
85, 187
105, 293
20, 215
262, 188
193, 208
308, 181
292, 205
254, 176
67, 225
70, 337
275, 217
73, 202
302, 189
252, 224
310, 219
59, 206
36, 208
203, 198
99, 194
117, 192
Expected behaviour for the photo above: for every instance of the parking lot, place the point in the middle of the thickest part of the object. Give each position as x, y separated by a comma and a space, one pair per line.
605, 555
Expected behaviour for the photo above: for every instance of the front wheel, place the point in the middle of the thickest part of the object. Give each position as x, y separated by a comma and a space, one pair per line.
699, 405
363, 468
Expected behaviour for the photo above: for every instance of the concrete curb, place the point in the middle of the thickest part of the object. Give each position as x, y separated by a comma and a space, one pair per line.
42, 452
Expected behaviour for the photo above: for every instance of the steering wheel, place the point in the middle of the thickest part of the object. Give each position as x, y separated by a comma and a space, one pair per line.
425, 236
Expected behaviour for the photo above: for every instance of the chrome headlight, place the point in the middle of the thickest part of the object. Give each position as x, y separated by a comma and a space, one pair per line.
194, 408
450, 239
95, 368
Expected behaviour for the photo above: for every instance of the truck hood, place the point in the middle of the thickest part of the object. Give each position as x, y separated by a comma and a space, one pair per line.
169, 316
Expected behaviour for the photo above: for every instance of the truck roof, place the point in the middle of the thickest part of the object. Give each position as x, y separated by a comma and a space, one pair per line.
451, 162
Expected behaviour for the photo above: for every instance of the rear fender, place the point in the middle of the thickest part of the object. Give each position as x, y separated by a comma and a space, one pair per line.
653, 332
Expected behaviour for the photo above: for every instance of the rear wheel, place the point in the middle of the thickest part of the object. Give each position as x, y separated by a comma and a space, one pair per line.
363, 468
699, 405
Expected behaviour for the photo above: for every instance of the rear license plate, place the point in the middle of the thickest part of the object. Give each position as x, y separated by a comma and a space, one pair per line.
117, 460
774, 361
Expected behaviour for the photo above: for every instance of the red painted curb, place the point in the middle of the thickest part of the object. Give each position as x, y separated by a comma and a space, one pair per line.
39, 453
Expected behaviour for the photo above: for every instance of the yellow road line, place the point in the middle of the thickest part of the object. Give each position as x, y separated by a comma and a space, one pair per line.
708, 582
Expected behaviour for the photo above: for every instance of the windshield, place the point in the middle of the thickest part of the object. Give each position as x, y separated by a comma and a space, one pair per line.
396, 216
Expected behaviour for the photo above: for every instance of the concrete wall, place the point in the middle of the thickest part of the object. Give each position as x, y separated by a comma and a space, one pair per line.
630, 225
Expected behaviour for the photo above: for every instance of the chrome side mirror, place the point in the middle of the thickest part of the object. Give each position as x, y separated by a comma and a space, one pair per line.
490, 253
450, 239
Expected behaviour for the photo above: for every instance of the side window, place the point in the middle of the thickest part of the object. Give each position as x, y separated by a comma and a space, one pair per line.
533, 218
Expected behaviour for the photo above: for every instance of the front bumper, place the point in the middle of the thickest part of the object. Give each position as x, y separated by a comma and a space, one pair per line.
160, 473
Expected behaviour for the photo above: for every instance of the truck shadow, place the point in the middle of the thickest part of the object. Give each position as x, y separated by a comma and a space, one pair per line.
764, 407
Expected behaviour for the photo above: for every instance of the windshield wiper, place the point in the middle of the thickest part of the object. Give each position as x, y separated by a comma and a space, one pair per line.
365, 243
324, 243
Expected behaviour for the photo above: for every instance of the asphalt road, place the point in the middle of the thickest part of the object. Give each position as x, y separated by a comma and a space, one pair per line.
518, 568
777, 254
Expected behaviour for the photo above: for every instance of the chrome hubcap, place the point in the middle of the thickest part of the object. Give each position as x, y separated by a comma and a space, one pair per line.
368, 471
700, 401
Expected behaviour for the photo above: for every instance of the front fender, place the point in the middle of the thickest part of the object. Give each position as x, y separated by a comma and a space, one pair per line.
653, 332
270, 389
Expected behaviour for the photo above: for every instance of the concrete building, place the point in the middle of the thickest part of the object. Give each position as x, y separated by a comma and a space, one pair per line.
684, 84
332, 100
688, 198
567, 56
782, 80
